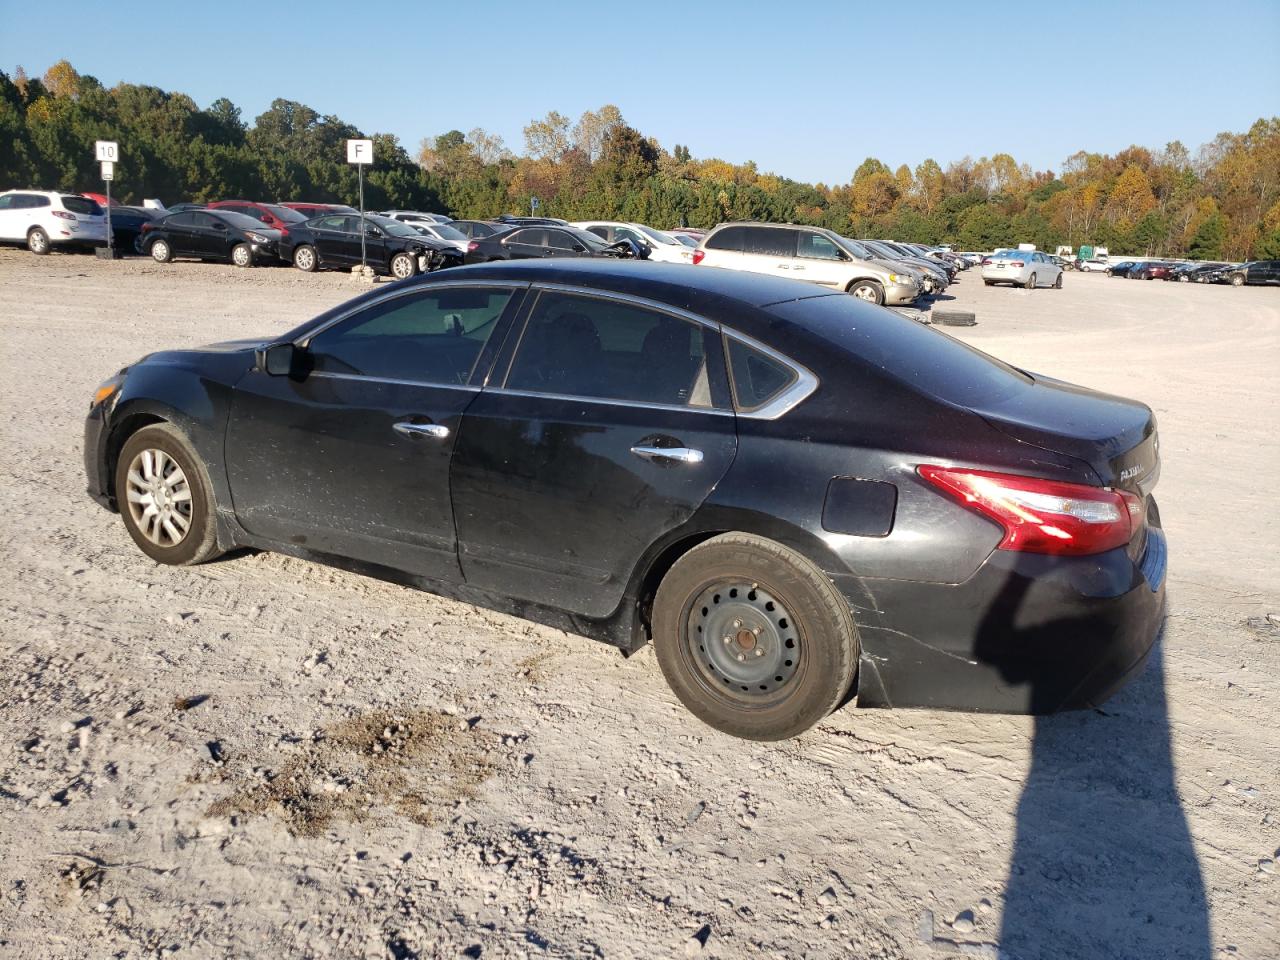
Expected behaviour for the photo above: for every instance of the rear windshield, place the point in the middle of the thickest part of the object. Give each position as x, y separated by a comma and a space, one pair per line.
81, 205
921, 356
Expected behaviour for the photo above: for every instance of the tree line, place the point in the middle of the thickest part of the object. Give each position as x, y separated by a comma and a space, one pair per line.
1220, 202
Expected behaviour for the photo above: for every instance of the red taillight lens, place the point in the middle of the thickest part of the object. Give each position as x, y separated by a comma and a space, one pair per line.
1016, 263
64, 215
698, 255
1044, 516
472, 245
985, 261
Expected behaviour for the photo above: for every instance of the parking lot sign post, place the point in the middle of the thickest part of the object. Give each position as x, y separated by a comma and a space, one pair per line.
107, 152
360, 152
533, 206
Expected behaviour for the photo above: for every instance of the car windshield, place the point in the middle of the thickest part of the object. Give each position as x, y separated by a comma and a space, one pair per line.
82, 205
284, 213
916, 354
684, 238
391, 227
655, 235
446, 232
881, 251
587, 239
240, 220
857, 249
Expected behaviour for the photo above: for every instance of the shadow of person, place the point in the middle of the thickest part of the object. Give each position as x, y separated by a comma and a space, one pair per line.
1103, 864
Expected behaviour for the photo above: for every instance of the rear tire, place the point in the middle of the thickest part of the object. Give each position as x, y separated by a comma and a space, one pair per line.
242, 256
163, 490
38, 241
867, 290
403, 266
989, 283
161, 251
793, 648
1031, 282
305, 259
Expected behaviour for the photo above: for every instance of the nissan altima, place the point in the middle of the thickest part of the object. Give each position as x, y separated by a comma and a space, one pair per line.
799, 498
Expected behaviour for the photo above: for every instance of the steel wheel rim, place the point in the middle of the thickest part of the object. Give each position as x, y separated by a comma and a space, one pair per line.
37, 241
305, 258
402, 267
159, 497
240, 255
865, 293
743, 643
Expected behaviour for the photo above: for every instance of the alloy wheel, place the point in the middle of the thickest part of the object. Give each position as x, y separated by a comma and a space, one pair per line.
159, 497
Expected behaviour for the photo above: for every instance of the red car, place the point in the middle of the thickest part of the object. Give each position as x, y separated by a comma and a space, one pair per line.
309, 210
275, 216
101, 199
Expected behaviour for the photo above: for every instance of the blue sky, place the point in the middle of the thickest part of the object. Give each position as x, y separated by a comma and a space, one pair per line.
806, 90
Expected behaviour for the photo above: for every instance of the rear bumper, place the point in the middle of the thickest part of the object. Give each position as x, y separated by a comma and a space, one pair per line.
1025, 634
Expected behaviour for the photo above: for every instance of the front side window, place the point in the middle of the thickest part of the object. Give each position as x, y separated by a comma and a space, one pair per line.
7, 201
532, 237
609, 350
757, 377
427, 337
561, 240
817, 247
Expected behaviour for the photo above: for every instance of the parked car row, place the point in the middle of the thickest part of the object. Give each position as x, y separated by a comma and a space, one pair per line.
1255, 272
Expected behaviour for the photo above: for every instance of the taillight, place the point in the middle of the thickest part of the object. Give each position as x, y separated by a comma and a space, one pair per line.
64, 215
148, 226
1044, 516
985, 261
698, 256
472, 246
1016, 263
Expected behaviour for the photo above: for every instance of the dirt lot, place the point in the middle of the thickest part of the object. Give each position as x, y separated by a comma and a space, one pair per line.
267, 757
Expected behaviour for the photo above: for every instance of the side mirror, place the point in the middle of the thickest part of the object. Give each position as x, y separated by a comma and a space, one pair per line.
579, 248
373, 232
276, 359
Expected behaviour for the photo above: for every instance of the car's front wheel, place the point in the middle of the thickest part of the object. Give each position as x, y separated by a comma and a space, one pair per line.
241, 255
1237, 280
304, 258
867, 290
403, 266
753, 638
164, 496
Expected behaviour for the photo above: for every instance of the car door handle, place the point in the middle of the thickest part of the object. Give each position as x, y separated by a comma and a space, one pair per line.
679, 454
415, 430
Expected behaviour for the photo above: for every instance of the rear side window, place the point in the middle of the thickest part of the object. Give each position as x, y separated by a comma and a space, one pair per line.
757, 377
604, 349
770, 242
433, 337
730, 238
921, 356
82, 205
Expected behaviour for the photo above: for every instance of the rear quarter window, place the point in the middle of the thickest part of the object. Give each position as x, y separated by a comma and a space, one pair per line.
730, 238
919, 356
757, 377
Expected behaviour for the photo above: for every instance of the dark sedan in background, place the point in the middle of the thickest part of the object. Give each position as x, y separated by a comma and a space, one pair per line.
1120, 269
479, 229
1255, 271
795, 495
524, 243
210, 235
390, 246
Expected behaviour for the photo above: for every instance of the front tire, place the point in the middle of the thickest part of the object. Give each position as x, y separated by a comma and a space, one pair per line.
241, 255
305, 259
164, 496
867, 290
403, 266
1237, 281
38, 241
792, 647
161, 252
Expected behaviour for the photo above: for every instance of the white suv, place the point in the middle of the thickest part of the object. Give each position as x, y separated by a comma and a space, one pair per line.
806, 253
663, 248
43, 220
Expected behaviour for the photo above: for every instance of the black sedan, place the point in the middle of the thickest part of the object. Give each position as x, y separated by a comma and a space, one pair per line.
479, 229
126, 227
525, 243
210, 235
796, 496
390, 246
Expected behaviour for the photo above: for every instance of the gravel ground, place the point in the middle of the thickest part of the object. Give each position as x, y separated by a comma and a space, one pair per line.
269, 757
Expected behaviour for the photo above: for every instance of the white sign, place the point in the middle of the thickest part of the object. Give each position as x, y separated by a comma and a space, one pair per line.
359, 151
106, 150
108, 170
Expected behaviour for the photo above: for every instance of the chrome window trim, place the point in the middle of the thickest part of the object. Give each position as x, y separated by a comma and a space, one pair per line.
805, 383
305, 340
362, 378
628, 298
573, 398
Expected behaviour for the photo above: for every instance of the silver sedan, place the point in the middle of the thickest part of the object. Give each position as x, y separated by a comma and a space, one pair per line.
1023, 268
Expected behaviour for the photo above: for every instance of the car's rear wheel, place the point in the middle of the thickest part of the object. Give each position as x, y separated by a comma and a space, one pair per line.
241, 255
753, 638
989, 283
867, 290
161, 252
403, 266
164, 496
38, 241
1031, 282
305, 259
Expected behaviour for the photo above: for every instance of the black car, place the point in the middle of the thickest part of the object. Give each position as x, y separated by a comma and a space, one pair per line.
530, 221
1255, 271
1213, 273
390, 246
210, 235
1121, 269
126, 227
1184, 273
796, 496
479, 229
529, 242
